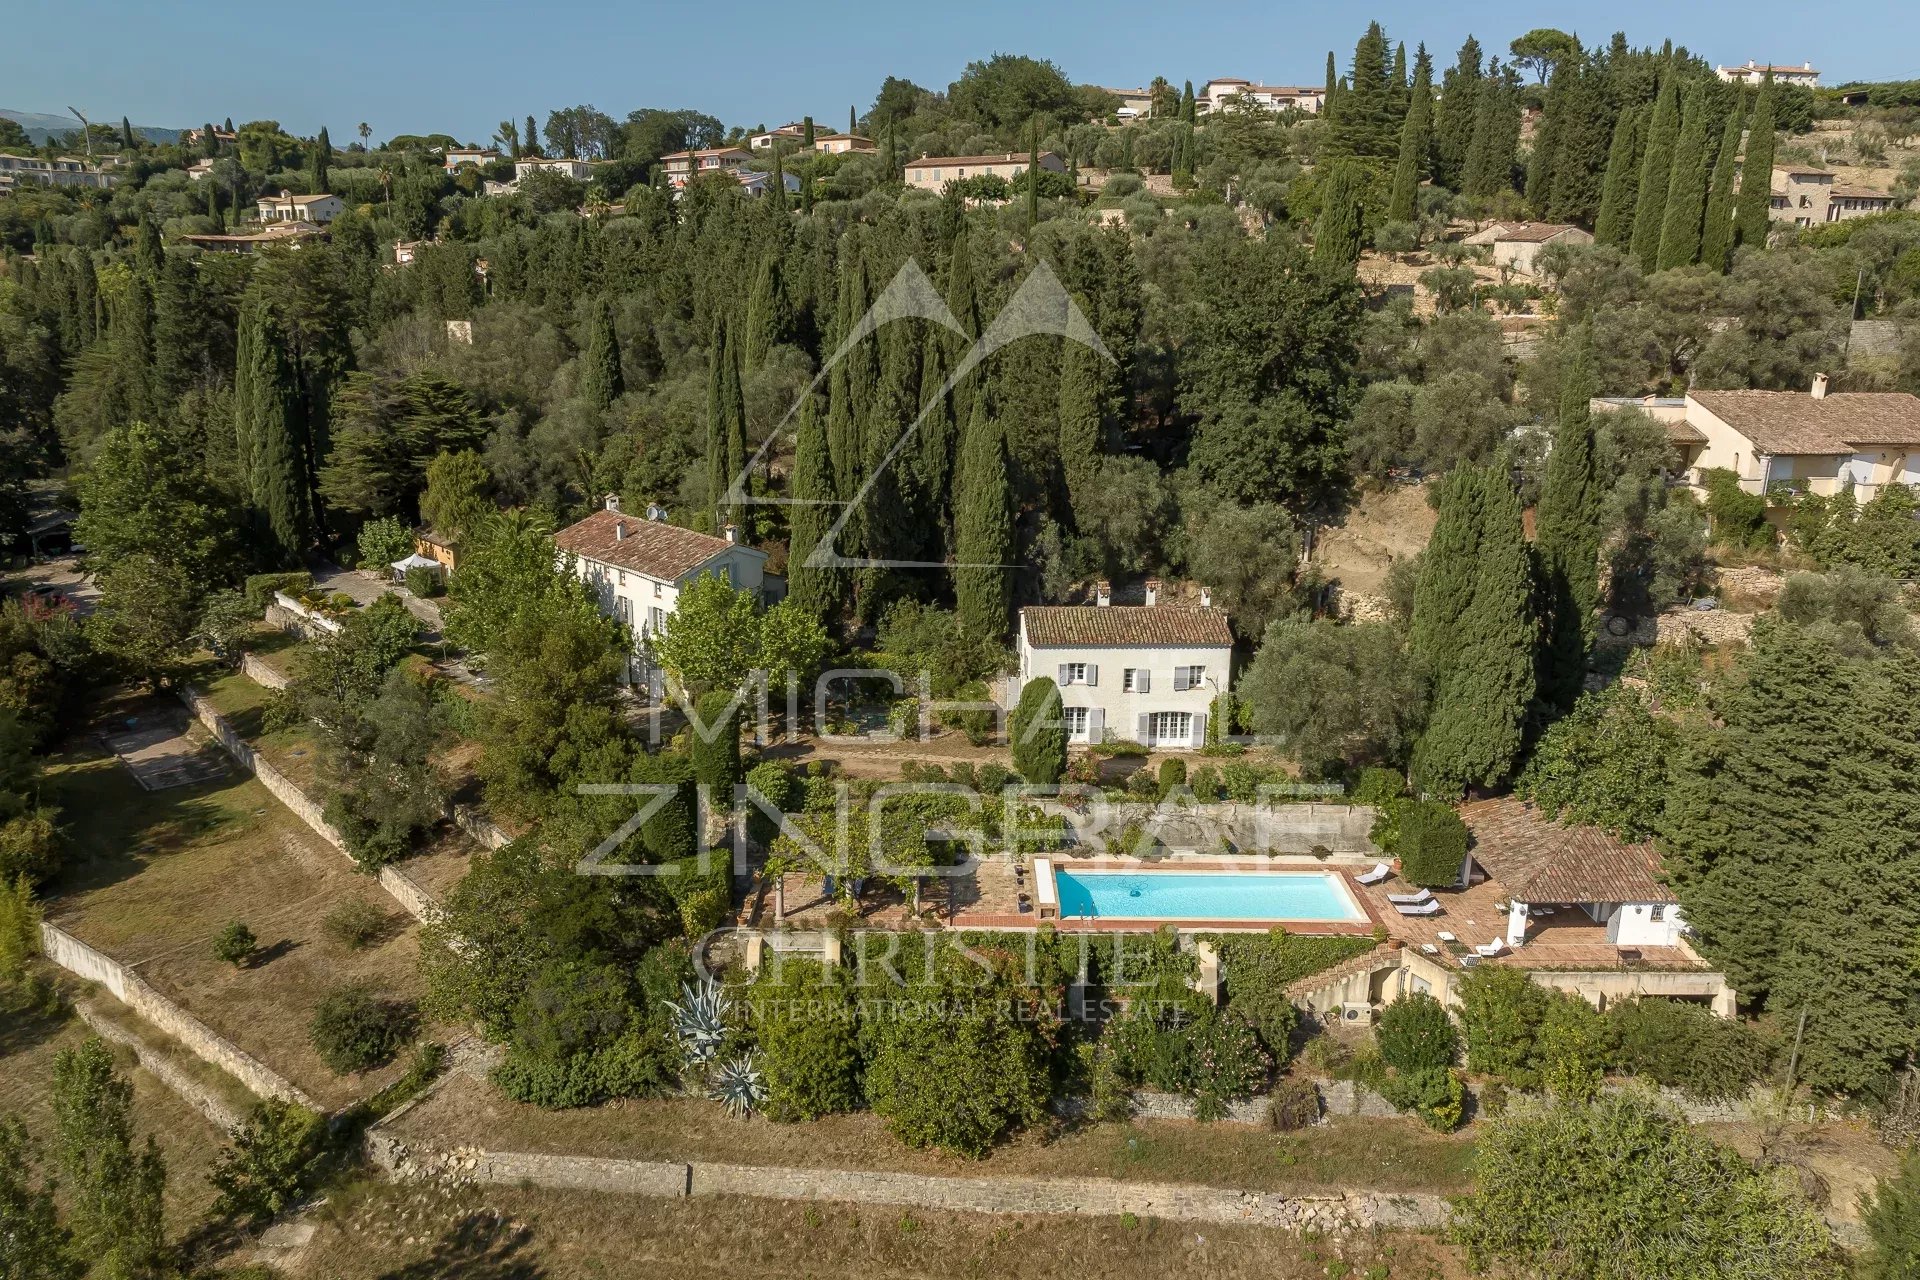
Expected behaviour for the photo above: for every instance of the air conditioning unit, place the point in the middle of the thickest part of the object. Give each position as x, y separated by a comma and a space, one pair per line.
1358, 1012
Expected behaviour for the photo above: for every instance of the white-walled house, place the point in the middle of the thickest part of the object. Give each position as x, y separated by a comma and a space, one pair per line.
1577, 869
287, 207
1142, 673
638, 567
565, 166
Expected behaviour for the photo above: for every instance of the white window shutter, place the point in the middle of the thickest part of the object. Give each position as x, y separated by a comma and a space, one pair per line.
1093, 673
1179, 679
1143, 681
1199, 729
1096, 724
1146, 730
1063, 675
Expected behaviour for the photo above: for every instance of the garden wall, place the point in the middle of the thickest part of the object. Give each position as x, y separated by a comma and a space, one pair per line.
302, 617
260, 673
1093, 1197
1251, 828
167, 1072
75, 956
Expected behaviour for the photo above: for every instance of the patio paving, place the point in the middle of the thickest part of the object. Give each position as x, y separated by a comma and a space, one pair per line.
164, 750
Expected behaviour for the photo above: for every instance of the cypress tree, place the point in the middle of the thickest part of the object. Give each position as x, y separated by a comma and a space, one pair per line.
734, 512
213, 200
601, 382
1082, 390
322, 162
938, 429
209, 144
1399, 88
1615, 224
1687, 186
279, 449
815, 589
769, 315
983, 527
1567, 534
778, 189
717, 417
806, 132
853, 120
1656, 167
1753, 208
1546, 139
1333, 82
1586, 134
149, 252
532, 133
1716, 236
1340, 231
1186, 103
1033, 175
1473, 627
964, 304
1362, 122
126, 135
1415, 143
1496, 136
133, 350
1459, 107
843, 423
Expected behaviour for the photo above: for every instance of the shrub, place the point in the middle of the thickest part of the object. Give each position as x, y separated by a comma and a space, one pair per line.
1739, 518
704, 911
1500, 1008
1376, 787
260, 587
1142, 785
382, 542
355, 924
1436, 1094
1295, 1104
776, 786
809, 1041
1258, 968
1684, 1046
1228, 1063
271, 1163
355, 1030
1173, 773
1206, 783
1415, 1034
1432, 845
978, 725
1039, 733
423, 582
993, 778
235, 944
715, 749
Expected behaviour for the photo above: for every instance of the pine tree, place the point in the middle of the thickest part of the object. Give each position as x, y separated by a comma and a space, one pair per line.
1459, 106
322, 163
1687, 186
769, 315
1340, 231
1567, 534
601, 382
1716, 235
1415, 143
1656, 167
1361, 122
1082, 392
1615, 224
814, 589
1753, 210
1473, 627
983, 527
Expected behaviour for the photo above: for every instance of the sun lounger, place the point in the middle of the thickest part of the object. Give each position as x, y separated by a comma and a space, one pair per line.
1491, 949
1380, 872
1427, 908
1410, 899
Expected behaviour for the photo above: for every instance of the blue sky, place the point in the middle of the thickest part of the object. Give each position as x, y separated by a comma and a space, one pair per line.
419, 66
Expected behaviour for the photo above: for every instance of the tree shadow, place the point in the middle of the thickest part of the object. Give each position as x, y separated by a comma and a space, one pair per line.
267, 955
479, 1247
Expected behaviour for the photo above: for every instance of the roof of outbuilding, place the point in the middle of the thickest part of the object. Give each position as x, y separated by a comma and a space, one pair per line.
1099, 626
653, 547
1537, 860
1794, 422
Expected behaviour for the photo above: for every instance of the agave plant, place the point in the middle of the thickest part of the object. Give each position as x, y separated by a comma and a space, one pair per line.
699, 1020
738, 1085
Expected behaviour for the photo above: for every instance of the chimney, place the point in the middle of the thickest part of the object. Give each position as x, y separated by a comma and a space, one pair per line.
1206, 597
619, 530
656, 512
1153, 591
611, 502
1819, 386
732, 532
1103, 593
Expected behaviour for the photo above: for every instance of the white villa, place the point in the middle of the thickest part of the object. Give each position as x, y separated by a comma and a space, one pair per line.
638, 567
578, 170
287, 207
1144, 673
932, 173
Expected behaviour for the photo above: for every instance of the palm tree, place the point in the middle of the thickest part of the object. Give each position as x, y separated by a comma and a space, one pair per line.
366, 131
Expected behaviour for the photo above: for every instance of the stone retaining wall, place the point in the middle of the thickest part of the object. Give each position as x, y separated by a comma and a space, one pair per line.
304, 618
478, 825
134, 991
1093, 1197
260, 673
166, 1071
1199, 828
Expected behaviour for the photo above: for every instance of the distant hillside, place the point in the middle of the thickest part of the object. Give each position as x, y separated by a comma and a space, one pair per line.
41, 127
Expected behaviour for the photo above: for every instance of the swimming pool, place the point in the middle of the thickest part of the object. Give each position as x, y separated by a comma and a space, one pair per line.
1252, 896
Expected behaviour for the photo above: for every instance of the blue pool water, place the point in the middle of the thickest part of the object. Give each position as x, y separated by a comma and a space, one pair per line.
1204, 895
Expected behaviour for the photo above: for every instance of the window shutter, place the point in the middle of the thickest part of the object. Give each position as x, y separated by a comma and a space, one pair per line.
1063, 675
1179, 679
1143, 681
1199, 729
1096, 724
1093, 673
1146, 730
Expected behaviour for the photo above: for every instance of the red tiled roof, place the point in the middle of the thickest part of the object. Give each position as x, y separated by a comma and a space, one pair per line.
1534, 232
1011, 157
1098, 626
1793, 422
1537, 860
653, 547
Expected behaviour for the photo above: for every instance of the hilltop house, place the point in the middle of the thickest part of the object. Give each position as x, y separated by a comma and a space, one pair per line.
1781, 443
287, 207
459, 156
681, 166
1753, 73
65, 171
1145, 673
1217, 93
793, 132
836, 143
1809, 197
933, 173
578, 170
638, 567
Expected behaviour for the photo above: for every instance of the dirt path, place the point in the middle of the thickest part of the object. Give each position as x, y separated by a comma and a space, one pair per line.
1383, 526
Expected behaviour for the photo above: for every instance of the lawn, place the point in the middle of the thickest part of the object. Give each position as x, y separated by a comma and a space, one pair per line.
414, 1233
1379, 1155
187, 1139
158, 874
294, 751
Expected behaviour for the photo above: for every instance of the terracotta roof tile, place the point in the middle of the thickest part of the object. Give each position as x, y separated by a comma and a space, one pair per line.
1096, 626
1014, 157
1537, 860
1534, 232
653, 547
1793, 422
